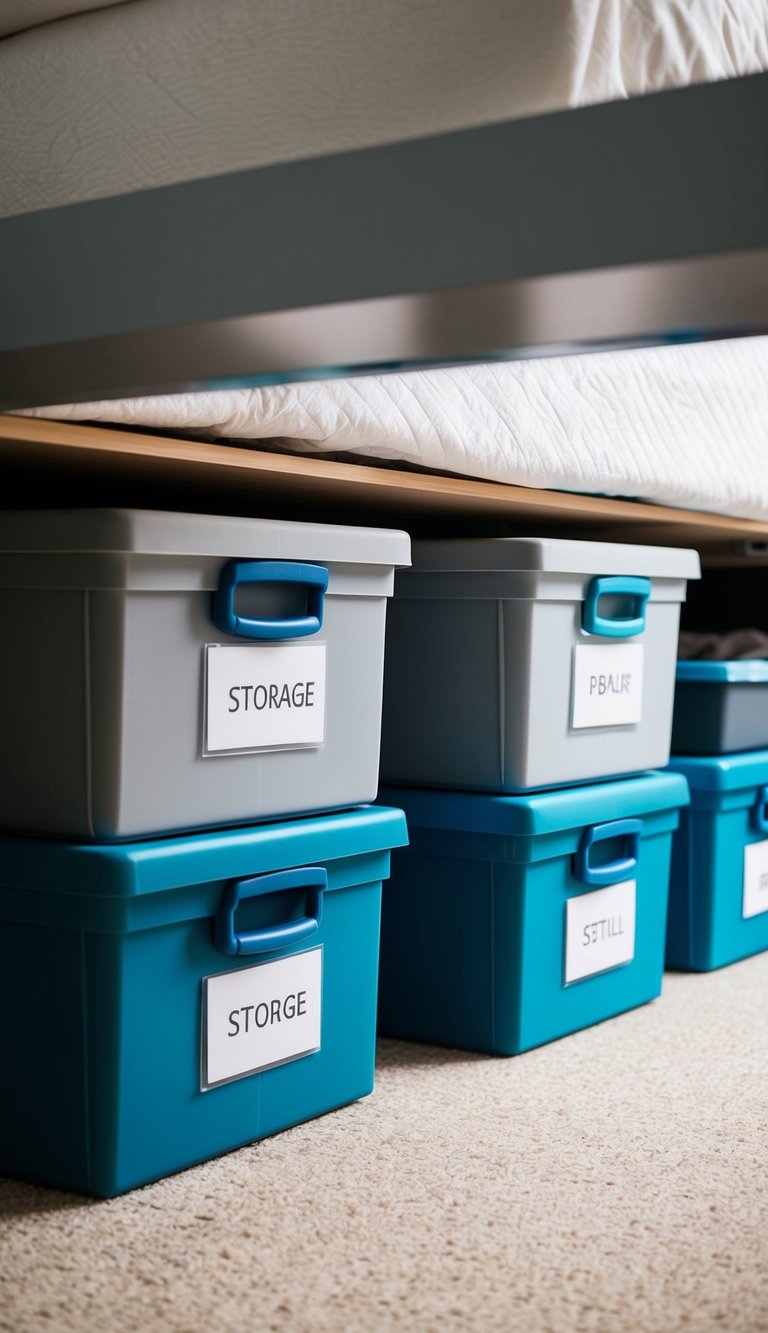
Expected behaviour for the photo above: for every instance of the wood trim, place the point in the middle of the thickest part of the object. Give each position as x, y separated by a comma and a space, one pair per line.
51, 463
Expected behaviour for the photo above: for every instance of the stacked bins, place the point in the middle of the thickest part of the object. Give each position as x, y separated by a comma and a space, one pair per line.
530, 670
174, 994
718, 909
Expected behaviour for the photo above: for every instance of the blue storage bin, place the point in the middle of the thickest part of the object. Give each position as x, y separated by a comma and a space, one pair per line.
166, 1001
718, 897
512, 920
720, 707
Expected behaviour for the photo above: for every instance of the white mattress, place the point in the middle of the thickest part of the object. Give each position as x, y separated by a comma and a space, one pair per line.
683, 425
149, 92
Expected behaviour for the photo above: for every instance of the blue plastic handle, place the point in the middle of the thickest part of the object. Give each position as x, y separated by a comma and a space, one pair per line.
312, 878
631, 829
760, 811
312, 577
617, 585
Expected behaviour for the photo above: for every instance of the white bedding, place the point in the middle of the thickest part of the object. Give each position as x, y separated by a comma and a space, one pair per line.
684, 425
149, 92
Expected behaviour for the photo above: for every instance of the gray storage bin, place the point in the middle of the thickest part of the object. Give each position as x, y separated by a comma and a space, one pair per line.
720, 707
121, 713
521, 663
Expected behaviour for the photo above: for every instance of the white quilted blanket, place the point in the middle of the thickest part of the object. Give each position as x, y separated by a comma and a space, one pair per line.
684, 425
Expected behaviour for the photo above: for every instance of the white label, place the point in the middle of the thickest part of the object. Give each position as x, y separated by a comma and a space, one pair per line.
599, 930
755, 898
264, 696
261, 1016
607, 685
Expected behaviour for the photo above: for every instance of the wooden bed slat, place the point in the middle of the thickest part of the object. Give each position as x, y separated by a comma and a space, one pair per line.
49, 463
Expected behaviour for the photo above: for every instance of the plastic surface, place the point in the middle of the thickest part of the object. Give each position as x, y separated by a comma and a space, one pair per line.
737, 773
237, 572
108, 1095
752, 670
620, 626
481, 661
556, 555
107, 879
534, 814
102, 700
473, 923
95, 532
707, 928
720, 707
313, 879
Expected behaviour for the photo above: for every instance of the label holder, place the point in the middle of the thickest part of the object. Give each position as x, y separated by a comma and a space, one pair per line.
607, 712
754, 889
217, 752
206, 1085
590, 895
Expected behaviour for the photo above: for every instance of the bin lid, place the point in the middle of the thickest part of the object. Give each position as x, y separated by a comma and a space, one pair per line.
159, 532
720, 773
555, 555
750, 671
535, 813
128, 869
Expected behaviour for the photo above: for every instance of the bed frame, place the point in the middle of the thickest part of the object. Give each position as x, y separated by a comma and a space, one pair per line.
635, 222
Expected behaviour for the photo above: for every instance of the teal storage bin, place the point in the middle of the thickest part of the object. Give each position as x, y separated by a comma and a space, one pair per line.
512, 920
718, 897
167, 1001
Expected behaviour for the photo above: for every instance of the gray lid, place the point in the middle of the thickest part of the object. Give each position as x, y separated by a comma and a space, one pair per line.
555, 555
156, 532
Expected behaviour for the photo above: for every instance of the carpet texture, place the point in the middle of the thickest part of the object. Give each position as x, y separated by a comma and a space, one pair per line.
612, 1181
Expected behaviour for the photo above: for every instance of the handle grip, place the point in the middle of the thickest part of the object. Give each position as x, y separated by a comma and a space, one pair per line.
312, 878
760, 811
235, 572
618, 585
631, 829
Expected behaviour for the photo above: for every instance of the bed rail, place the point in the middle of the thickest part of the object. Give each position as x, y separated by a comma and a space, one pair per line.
633, 222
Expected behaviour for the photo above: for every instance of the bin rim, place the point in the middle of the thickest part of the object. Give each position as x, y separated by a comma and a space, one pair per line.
553, 555
533, 814
738, 771
117, 531
750, 671
154, 865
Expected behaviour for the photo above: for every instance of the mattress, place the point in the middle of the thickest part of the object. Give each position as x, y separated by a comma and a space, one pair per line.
145, 93
684, 425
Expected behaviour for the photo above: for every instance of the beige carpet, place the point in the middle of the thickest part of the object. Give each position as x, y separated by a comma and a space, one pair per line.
614, 1180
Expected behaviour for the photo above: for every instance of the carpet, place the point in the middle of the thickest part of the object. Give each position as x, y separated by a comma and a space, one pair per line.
615, 1180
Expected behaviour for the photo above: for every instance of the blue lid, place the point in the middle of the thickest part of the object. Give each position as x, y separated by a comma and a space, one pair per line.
753, 671
128, 869
534, 813
727, 772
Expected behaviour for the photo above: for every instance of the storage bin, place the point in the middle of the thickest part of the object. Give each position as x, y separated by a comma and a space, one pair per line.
720, 707
718, 896
524, 663
174, 671
166, 1001
513, 920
